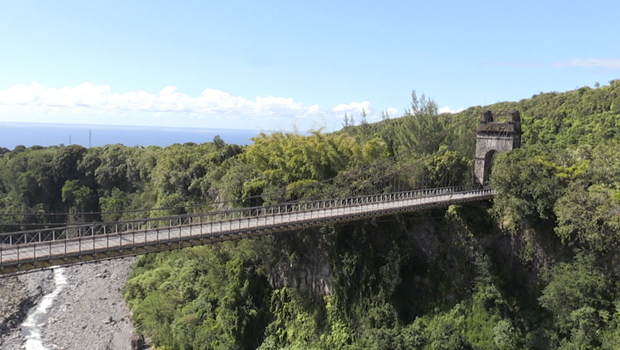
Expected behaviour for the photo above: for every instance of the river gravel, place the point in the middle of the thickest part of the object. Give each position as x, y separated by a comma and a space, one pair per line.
87, 313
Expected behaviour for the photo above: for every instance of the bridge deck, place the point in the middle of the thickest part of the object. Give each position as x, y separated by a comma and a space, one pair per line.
198, 231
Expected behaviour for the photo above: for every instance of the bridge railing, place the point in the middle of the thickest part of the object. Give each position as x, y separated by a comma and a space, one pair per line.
105, 228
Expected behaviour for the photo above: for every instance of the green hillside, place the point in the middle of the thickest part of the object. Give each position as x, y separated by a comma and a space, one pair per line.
535, 269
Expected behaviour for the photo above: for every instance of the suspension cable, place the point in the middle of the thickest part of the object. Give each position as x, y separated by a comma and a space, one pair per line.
281, 193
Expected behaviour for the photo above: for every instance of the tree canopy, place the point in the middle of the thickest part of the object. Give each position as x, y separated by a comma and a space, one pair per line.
536, 268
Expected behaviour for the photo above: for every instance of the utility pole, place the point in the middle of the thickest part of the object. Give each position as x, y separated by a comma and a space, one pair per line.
90, 137
69, 140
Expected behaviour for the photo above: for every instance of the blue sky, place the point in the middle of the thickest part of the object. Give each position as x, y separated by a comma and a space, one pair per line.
276, 65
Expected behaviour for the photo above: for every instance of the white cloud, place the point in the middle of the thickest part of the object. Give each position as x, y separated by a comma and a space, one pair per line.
352, 108
393, 112
355, 109
447, 109
591, 63
91, 104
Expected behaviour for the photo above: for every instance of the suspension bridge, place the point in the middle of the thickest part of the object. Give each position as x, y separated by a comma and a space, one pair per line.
78, 243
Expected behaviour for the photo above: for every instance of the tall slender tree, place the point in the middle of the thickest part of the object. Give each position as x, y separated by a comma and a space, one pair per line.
420, 123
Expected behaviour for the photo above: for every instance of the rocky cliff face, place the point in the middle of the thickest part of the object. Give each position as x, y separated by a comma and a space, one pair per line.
306, 267
315, 278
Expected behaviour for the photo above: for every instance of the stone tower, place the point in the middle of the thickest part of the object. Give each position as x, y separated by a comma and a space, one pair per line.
494, 137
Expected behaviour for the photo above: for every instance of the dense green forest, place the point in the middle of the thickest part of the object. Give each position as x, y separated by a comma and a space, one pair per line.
536, 268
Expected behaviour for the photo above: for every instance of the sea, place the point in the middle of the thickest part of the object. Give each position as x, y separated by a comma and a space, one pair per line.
43, 134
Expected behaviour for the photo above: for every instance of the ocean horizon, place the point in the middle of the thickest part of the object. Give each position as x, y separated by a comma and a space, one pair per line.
13, 134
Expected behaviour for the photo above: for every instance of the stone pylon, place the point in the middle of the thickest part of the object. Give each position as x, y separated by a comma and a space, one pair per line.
494, 137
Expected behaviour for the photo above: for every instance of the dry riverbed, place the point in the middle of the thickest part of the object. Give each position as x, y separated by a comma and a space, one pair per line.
88, 312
